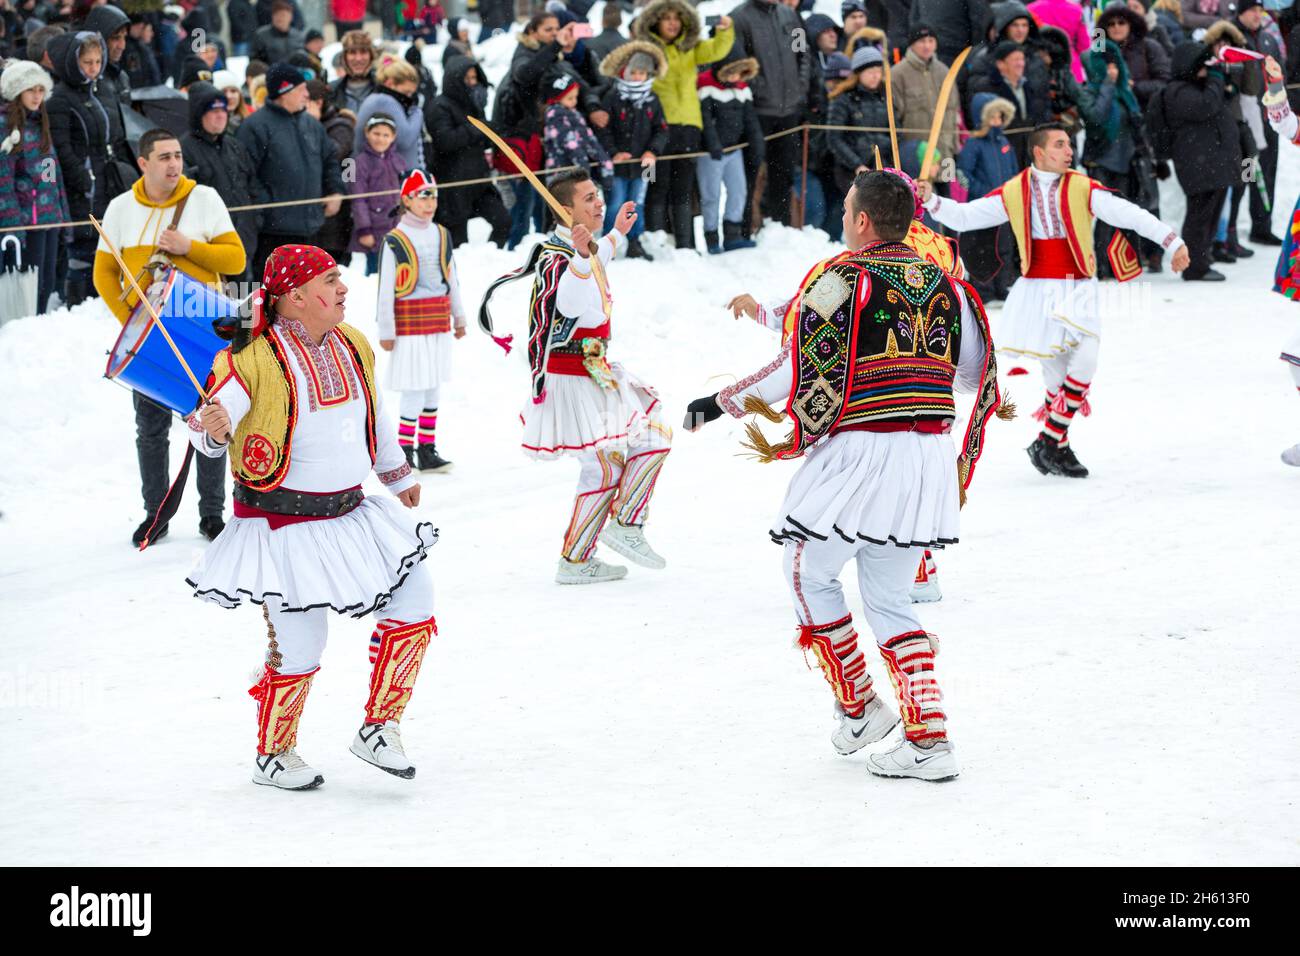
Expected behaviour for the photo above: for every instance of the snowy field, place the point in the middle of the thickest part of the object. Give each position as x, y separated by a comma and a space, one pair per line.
1118, 653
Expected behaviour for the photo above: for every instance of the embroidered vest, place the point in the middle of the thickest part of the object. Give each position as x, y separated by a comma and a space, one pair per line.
876, 340
406, 260
263, 442
1077, 219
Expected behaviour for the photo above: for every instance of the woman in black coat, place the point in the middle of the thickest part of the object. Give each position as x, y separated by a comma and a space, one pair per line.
458, 153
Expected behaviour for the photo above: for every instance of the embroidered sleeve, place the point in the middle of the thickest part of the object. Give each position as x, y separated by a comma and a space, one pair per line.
771, 383
396, 475
1119, 212
771, 315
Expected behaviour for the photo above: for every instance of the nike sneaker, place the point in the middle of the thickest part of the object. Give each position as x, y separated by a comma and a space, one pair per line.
938, 762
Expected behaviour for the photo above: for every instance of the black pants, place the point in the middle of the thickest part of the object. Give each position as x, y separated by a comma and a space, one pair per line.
266, 244
990, 257
782, 167
1261, 219
672, 187
41, 252
1123, 184
153, 425
1199, 224
347, 26
486, 205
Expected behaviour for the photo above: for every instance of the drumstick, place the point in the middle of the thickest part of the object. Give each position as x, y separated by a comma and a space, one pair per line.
207, 400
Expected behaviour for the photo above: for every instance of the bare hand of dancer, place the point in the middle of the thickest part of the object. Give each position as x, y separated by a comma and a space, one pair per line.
581, 239
410, 497
626, 217
743, 303
1272, 71
924, 189
387, 344
1181, 260
215, 421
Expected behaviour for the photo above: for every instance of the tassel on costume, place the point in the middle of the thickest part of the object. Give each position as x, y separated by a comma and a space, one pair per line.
753, 405
761, 448
1007, 410
504, 341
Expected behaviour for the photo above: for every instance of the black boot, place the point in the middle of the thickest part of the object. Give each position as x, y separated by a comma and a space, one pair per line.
409, 452
1067, 464
211, 526
732, 238
1235, 248
430, 460
1155, 263
712, 242
1042, 455
138, 535
1264, 237
637, 251
1219, 253
683, 226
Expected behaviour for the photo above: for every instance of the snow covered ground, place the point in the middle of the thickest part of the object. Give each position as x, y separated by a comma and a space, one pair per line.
1118, 653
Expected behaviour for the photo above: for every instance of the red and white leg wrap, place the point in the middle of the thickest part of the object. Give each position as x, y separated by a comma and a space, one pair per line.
396, 651
836, 648
637, 485
591, 508
280, 700
910, 660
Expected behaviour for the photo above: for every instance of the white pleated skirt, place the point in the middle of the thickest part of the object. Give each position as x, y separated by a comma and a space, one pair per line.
1044, 317
418, 362
1291, 351
351, 564
884, 488
577, 416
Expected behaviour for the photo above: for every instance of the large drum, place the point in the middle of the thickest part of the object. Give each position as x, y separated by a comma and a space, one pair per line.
141, 357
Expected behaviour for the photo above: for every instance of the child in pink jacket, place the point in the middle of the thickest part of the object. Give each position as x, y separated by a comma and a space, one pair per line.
1068, 16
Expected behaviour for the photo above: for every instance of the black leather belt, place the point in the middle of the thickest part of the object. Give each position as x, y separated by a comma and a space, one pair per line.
286, 501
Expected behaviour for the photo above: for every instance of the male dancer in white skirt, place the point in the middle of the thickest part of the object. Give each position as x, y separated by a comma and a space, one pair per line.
419, 304
581, 405
1052, 313
294, 398
881, 339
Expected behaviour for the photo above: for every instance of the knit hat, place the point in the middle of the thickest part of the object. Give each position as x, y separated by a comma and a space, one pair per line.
851, 6
1244, 5
865, 56
20, 76
643, 62
281, 78
559, 88
837, 67
312, 35
194, 71
919, 32
224, 80
1005, 48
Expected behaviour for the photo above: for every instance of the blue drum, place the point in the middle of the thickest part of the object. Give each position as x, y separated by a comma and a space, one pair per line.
141, 358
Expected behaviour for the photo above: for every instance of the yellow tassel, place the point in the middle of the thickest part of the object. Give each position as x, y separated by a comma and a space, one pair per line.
761, 448
753, 405
1007, 410
961, 495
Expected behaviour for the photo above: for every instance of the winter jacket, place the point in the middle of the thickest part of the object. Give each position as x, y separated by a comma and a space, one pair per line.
457, 147
348, 94
1172, 26
1068, 102
686, 55
263, 12
981, 60
37, 185
243, 21
729, 116
410, 123
858, 107
1206, 136
80, 130
633, 128
1115, 127
1146, 59
141, 64
605, 43
957, 23
1265, 40
271, 46
517, 110
763, 31
10, 210
916, 91
222, 163
348, 11
569, 141
375, 215
1036, 109
989, 160
294, 159
1065, 15
113, 85
891, 16
1202, 14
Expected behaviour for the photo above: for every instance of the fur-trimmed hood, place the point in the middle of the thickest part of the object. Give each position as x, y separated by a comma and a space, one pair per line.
643, 28
1223, 30
1056, 42
1119, 10
616, 61
986, 104
869, 34
737, 71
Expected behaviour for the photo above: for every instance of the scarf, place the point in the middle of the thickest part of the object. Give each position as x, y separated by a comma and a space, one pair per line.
635, 93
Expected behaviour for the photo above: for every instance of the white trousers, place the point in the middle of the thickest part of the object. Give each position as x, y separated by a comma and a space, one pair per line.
1080, 363
885, 576
301, 635
412, 403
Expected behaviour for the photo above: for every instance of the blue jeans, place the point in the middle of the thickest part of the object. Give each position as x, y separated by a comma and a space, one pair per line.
527, 207
713, 176
240, 49
817, 208
626, 190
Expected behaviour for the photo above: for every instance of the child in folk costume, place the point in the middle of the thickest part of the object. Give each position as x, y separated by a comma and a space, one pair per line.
581, 405
881, 338
419, 312
1051, 312
295, 398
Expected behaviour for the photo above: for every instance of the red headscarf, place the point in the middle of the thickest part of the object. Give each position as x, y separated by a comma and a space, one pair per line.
287, 267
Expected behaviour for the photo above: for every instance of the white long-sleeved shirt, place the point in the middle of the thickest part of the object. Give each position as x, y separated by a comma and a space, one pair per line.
578, 295
771, 383
427, 241
329, 451
1045, 219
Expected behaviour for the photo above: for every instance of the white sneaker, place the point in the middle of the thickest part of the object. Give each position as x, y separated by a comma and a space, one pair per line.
908, 760
1292, 456
285, 770
593, 571
854, 733
631, 543
381, 745
927, 593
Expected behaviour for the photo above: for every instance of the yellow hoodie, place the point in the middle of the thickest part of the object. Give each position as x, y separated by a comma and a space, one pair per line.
134, 222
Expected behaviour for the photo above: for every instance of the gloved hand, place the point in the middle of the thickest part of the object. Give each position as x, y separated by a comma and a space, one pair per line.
702, 411
715, 155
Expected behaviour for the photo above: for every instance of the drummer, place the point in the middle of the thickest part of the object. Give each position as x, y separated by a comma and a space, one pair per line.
165, 221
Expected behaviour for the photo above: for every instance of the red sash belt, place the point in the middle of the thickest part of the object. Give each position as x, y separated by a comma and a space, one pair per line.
925, 426
423, 316
1052, 259
570, 362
